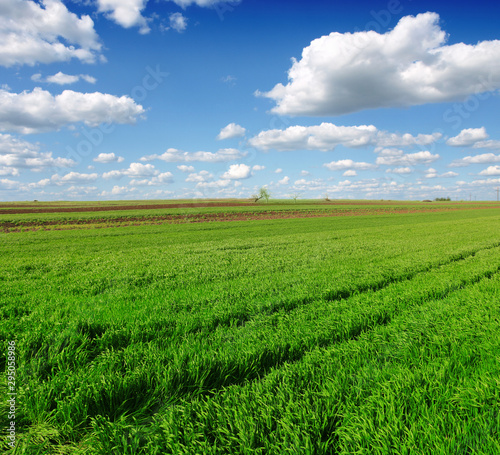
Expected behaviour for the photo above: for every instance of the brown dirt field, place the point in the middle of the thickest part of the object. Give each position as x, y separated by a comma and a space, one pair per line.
54, 209
210, 217
13, 209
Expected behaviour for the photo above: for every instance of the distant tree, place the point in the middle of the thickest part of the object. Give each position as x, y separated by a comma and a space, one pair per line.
295, 196
442, 199
263, 194
327, 199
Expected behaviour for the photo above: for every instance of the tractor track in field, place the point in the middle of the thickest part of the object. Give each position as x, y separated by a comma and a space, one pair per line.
239, 318
235, 372
263, 362
100, 223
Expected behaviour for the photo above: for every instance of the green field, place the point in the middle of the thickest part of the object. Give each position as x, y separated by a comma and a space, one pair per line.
370, 334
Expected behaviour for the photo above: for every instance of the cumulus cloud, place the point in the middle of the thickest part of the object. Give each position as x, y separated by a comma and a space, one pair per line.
284, 181
278, 171
64, 79
72, 178
475, 138
230, 131
158, 179
202, 176
399, 158
140, 170
236, 172
16, 154
491, 170
348, 164
221, 183
468, 137
126, 13
44, 32
327, 136
399, 170
308, 185
115, 191
9, 184
184, 168
410, 65
485, 158
40, 111
350, 173
258, 167
175, 156
105, 158
141, 175
178, 22
431, 173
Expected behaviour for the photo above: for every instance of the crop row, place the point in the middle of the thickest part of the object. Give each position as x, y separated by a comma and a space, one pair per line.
156, 374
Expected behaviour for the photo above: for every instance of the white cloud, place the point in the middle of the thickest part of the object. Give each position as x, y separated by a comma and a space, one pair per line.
431, 173
468, 137
72, 178
141, 175
485, 158
159, 179
398, 158
140, 170
108, 158
178, 22
385, 139
113, 174
135, 170
222, 183
306, 185
350, 173
237, 171
348, 164
184, 168
16, 154
304, 173
9, 184
491, 170
490, 144
230, 131
45, 32
116, 191
39, 110
399, 170
485, 182
284, 181
175, 156
202, 176
126, 13
4, 170
409, 65
327, 136
258, 167
278, 171
203, 3
449, 175
63, 79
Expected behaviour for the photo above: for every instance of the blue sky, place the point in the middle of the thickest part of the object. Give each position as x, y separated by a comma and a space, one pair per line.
137, 99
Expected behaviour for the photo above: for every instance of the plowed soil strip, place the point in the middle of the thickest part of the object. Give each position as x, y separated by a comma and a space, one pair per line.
7, 226
120, 207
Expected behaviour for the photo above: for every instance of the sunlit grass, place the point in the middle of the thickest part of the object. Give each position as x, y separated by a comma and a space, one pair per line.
368, 334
